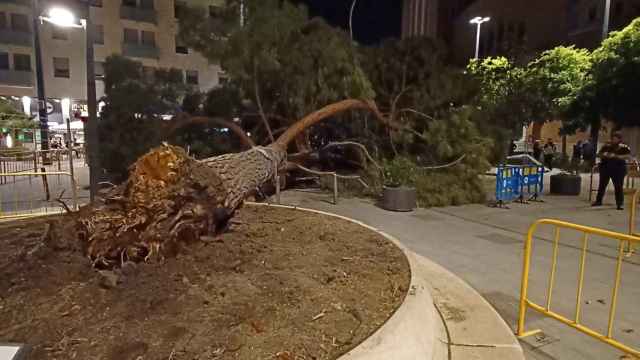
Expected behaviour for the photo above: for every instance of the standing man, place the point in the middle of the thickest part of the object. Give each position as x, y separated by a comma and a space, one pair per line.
549, 151
613, 166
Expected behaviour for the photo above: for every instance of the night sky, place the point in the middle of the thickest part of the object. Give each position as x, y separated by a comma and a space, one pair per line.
373, 20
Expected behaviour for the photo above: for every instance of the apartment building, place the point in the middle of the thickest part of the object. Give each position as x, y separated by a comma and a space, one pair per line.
587, 16
433, 18
143, 30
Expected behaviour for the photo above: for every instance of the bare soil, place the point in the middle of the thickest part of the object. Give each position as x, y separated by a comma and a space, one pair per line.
281, 284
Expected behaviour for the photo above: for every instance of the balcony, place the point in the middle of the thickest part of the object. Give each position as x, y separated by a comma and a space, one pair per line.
14, 37
138, 14
17, 2
16, 78
140, 51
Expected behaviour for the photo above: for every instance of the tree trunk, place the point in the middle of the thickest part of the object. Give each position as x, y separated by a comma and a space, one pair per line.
171, 199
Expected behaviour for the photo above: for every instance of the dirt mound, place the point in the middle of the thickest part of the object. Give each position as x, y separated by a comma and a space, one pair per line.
281, 285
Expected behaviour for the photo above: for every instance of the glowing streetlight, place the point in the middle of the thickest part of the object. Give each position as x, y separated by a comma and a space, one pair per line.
61, 17
478, 20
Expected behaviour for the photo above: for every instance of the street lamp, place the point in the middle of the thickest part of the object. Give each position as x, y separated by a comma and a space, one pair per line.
353, 7
65, 18
478, 20
605, 25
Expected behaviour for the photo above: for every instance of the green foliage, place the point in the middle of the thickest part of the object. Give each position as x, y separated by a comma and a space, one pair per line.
291, 64
11, 118
130, 121
616, 76
554, 79
461, 183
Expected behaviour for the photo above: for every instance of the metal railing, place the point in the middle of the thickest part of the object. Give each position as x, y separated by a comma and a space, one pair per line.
22, 199
632, 220
575, 323
33, 161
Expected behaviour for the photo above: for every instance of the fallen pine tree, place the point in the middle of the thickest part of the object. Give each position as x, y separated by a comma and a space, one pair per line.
171, 199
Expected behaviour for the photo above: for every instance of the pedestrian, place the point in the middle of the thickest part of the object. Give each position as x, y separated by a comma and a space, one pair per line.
576, 157
588, 152
613, 166
537, 150
549, 151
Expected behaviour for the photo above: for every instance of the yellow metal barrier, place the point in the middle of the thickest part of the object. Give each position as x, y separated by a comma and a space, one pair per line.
22, 199
525, 302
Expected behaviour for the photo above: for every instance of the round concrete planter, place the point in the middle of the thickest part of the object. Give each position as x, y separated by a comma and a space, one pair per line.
565, 184
399, 198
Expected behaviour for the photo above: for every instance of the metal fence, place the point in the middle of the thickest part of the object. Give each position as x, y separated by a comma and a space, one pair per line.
546, 310
29, 194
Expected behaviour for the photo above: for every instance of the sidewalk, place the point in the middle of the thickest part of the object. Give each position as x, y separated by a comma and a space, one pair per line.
483, 246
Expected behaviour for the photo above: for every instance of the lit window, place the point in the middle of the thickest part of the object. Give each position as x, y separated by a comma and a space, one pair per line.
99, 69
61, 67
22, 62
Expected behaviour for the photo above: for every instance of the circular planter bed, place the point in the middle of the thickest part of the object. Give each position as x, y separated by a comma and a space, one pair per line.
282, 284
399, 198
565, 184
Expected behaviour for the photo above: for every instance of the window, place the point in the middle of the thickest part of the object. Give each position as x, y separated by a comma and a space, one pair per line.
522, 30
4, 61
99, 69
592, 14
148, 38
3, 20
618, 11
59, 33
130, 36
131, 3
178, 7
146, 4
20, 22
180, 47
500, 31
22, 62
98, 34
61, 67
96, 3
215, 11
192, 77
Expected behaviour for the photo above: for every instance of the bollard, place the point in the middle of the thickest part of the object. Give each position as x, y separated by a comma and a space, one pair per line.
335, 189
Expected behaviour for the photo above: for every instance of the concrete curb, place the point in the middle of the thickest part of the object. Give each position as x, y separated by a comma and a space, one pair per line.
442, 317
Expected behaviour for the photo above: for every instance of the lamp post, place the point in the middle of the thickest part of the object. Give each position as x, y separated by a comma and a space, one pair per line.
478, 20
353, 7
607, 14
42, 99
65, 18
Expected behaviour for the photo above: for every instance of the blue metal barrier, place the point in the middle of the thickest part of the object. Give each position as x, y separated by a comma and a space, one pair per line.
507, 184
519, 182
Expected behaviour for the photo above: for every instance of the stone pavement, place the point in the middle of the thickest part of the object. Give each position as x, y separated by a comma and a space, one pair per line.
484, 246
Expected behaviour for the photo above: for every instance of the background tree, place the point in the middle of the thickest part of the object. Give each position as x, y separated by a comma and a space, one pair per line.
285, 63
131, 121
611, 86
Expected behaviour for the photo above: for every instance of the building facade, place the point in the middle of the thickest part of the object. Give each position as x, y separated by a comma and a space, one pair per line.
433, 18
143, 30
516, 28
586, 18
